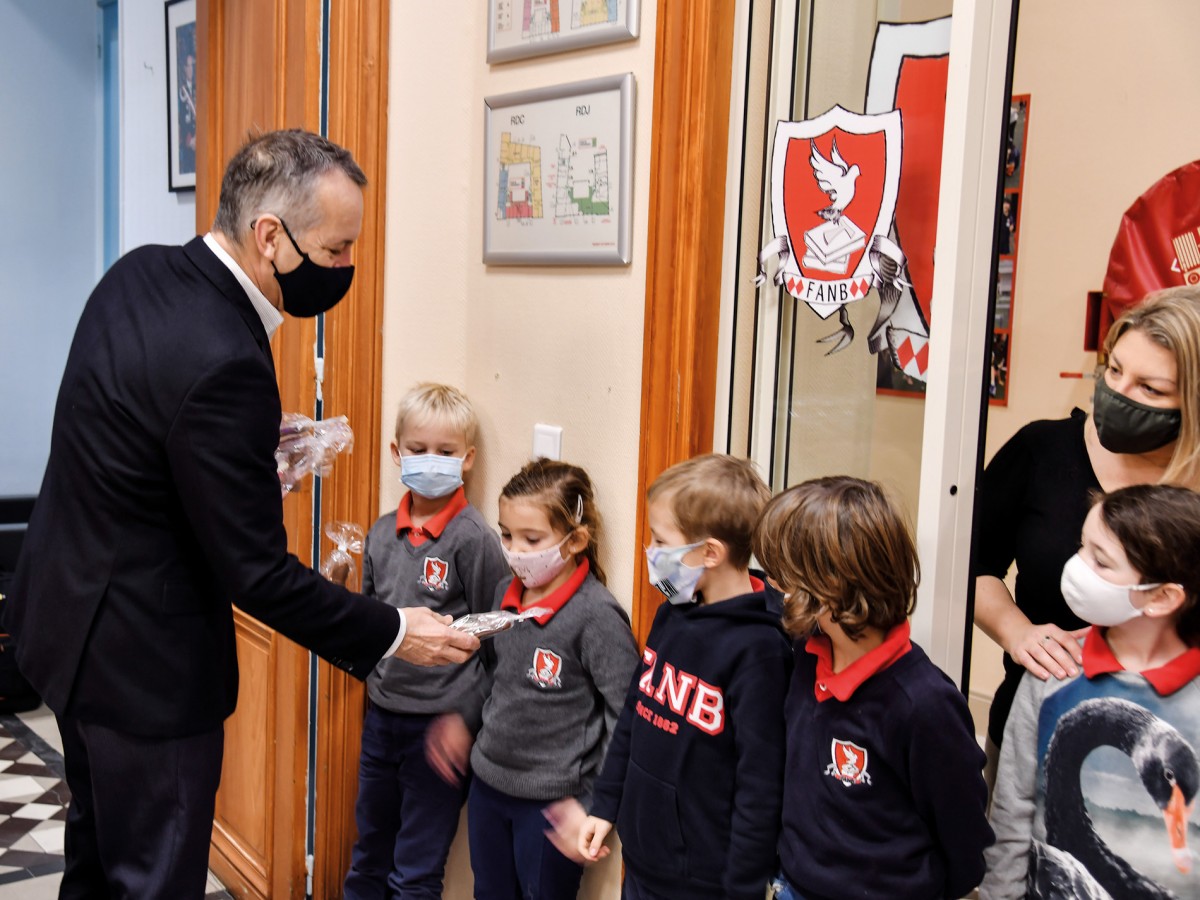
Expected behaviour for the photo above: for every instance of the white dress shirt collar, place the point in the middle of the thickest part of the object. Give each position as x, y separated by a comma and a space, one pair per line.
271, 317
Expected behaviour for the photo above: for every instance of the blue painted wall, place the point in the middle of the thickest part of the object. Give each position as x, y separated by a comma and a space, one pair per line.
50, 214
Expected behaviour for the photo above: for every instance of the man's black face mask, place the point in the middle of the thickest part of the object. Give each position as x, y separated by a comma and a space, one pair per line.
309, 289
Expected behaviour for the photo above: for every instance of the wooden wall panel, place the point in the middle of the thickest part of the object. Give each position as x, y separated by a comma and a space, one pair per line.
260, 69
688, 160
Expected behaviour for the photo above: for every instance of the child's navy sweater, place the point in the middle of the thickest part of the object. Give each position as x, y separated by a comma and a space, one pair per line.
884, 796
693, 777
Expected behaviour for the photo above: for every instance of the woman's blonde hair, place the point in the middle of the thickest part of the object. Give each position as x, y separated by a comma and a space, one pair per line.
1171, 319
840, 544
566, 495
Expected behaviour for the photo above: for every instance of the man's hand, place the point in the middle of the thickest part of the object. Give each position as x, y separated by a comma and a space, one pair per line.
430, 641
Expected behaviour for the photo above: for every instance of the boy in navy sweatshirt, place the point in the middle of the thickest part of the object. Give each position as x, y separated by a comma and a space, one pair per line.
883, 791
694, 773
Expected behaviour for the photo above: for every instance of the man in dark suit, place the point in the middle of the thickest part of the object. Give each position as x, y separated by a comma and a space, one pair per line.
161, 504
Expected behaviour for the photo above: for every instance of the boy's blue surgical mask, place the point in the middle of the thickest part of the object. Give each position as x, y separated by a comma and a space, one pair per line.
431, 475
668, 572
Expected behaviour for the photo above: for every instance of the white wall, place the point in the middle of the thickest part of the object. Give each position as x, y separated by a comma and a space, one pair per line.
150, 213
528, 344
50, 225
1111, 112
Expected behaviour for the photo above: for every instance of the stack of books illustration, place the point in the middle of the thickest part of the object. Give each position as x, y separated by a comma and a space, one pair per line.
830, 245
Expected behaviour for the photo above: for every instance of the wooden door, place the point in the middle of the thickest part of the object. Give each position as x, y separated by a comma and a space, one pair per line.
260, 69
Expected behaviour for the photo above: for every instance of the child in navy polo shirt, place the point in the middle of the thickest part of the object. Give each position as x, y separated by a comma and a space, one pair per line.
559, 681
1094, 766
436, 550
883, 791
694, 774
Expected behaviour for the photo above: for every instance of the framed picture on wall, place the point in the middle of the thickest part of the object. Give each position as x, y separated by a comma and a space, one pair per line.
1008, 245
522, 28
558, 167
181, 95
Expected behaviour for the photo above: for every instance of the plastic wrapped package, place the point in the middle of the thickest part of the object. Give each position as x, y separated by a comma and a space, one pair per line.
484, 625
338, 565
307, 446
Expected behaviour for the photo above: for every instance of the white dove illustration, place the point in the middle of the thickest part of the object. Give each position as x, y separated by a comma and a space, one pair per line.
836, 178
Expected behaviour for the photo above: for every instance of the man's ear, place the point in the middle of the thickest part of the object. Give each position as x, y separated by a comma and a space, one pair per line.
715, 553
267, 231
1165, 600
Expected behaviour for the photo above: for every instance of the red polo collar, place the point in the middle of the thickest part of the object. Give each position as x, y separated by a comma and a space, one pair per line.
842, 685
1098, 659
515, 595
435, 526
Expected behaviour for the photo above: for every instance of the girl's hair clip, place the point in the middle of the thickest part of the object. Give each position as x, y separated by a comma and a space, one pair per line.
579, 509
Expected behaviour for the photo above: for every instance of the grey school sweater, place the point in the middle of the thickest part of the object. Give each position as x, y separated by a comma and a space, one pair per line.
453, 574
556, 696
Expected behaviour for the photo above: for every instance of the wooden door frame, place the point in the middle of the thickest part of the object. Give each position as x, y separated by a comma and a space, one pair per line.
693, 68
358, 76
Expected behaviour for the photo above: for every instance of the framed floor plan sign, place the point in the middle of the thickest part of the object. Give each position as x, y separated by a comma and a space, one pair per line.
558, 169
521, 28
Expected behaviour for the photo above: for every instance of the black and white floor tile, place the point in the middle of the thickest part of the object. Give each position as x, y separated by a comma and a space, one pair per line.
33, 812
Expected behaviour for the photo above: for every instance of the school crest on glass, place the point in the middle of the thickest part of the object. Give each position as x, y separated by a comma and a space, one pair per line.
546, 671
849, 764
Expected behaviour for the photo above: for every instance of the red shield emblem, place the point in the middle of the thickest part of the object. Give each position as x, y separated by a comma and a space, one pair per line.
434, 575
547, 669
833, 189
849, 764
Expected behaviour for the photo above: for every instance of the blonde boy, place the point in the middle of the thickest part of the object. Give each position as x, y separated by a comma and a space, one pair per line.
435, 550
693, 776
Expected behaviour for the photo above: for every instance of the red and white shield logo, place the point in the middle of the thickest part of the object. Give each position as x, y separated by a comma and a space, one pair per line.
833, 189
849, 764
434, 575
547, 669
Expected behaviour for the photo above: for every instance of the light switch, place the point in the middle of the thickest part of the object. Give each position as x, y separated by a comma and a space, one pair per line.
547, 441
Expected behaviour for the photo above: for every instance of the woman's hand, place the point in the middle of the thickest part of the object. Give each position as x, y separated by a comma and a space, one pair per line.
448, 747
1046, 650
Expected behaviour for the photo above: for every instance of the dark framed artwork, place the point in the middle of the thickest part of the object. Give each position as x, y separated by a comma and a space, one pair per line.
1008, 245
181, 95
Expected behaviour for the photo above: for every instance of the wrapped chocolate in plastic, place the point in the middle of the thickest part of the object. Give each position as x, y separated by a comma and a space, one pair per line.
338, 565
484, 625
307, 446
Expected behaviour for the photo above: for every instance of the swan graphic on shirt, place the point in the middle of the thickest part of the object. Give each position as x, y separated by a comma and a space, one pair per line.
1119, 773
849, 764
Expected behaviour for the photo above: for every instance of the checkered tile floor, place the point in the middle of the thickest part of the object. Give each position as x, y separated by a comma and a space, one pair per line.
33, 808
33, 804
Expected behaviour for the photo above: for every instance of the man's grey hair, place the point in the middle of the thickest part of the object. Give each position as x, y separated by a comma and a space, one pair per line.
277, 173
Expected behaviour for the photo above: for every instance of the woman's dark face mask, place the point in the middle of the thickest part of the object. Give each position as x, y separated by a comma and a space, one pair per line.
1126, 426
309, 289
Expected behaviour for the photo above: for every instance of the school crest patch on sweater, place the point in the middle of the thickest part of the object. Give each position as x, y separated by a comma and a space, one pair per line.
546, 671
849, 764
434, 574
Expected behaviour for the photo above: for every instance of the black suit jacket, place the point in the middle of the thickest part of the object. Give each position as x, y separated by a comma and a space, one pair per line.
161, 504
